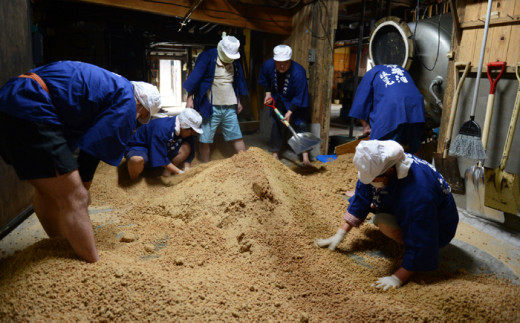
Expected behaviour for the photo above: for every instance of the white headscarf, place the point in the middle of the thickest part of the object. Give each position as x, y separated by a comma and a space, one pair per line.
375, 157
228, 49
149, 96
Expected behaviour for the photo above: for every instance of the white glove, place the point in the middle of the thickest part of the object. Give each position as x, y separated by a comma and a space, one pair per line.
386, 282
181, 171
331, 242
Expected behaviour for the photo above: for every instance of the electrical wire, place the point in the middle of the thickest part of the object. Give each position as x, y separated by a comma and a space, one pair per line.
438, 40
327, 36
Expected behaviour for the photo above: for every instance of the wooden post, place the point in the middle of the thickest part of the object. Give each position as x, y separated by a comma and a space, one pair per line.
312, 40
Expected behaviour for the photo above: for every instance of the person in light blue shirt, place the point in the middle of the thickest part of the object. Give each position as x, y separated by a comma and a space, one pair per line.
412, 203
49, 113
390, 106
168, 143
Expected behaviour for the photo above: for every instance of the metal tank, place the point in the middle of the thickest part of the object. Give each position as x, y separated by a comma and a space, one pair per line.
420, 47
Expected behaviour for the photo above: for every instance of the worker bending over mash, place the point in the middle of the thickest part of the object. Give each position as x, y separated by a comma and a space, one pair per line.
390, 106
164, 142
52, 110
285, 81
412, 203
214, 88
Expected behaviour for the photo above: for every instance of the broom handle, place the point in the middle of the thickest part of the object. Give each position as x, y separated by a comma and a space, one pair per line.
454, 104
481, 61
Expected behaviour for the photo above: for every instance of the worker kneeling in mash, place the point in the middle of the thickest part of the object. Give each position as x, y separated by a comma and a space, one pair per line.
412, 203
165, 142
46, 114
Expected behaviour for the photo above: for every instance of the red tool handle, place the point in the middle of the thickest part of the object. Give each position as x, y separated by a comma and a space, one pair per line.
494, 66
282, 118
273, 104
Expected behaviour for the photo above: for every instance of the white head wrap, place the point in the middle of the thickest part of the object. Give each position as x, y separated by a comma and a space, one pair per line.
282, 53
190, 118
228, 49
149, 96
375, 157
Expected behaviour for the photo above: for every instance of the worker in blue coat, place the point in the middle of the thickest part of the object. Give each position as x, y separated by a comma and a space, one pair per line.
164, 142
214, 88
412, 203
390, 106
48, 113
285, 81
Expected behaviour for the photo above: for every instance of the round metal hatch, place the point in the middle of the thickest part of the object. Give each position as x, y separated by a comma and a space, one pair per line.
391, 43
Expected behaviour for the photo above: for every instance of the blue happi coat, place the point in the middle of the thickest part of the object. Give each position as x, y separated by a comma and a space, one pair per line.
201, 78
95, 107
423, 206
159, 141
295, 92
387, 97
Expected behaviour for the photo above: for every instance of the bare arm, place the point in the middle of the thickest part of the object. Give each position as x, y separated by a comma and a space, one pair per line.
189, 101
171, 169
366, 127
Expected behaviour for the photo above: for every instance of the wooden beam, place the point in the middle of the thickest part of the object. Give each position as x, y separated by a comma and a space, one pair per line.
266, 19
508, 20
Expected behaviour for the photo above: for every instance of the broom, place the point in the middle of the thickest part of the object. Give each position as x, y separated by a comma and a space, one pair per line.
468, 142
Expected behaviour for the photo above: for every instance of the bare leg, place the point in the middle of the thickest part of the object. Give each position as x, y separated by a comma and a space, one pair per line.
44, 206
239, 145
67, 194
306, 161
204, 151
391, 232
135, 166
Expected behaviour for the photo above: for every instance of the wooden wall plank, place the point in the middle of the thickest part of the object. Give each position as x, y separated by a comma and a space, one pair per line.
467, 45
475, 58
513, 51
497, 44
472, 11
504, 7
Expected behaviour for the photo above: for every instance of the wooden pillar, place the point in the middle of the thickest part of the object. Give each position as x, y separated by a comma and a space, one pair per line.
312, 40
15, 195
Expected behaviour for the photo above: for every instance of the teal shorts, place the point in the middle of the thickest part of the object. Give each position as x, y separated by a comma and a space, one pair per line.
224, 116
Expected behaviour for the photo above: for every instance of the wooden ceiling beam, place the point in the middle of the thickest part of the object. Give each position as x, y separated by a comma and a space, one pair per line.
265, 19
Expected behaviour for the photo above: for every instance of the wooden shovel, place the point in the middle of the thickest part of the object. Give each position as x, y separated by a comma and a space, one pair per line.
502, 188
448, 165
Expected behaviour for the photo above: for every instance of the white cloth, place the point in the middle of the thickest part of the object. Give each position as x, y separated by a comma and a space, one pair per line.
388, 282
374, 157
331, 242
229, 46
282, 53
190, 118
149, 96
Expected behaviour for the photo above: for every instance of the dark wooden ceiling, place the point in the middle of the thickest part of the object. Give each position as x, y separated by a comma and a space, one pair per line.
188, 18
